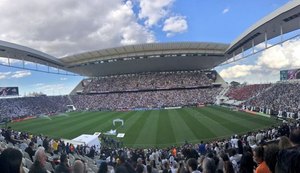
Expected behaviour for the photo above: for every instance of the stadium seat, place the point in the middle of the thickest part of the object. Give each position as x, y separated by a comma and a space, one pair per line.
49, 167
28, 163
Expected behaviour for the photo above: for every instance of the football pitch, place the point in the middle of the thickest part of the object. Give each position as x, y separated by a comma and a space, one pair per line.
155, 128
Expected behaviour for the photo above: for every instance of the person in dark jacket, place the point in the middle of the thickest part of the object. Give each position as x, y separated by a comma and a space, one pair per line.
30, 150
63, 167
11, 161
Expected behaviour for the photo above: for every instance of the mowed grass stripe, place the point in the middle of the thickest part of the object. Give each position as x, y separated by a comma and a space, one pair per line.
147, 135
165, 135
37, 126
73, 128
199, 127
213, 124
207, 129
228, 120
181, 129
241, 120
250, 117
55, 125
129, 121
107, 123
87, 126
97, 123
125, 116
32, 123
133, 131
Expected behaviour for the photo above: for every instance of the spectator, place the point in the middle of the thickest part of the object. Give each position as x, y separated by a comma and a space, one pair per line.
284, 142
228, 168
30, 150
11, 161
103, 168
209, 165
258, 155
38, 165
247, 163
270, 156
192, 165
63, 166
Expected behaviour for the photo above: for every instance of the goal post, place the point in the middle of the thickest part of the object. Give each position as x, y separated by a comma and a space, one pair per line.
71, 108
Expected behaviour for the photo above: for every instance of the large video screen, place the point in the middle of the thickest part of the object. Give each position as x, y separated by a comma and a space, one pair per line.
290, 74
9, 91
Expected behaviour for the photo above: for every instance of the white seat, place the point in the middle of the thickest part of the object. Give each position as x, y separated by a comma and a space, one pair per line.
26, 170
26, 155
28, 163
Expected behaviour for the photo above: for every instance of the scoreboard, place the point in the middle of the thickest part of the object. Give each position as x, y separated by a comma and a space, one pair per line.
290, 74
9, 91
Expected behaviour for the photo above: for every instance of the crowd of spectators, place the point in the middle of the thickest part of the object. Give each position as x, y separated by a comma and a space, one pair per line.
148, 81
280, 97
151, 99
33, 106
275, 150
245, 92
51, 105
131, 91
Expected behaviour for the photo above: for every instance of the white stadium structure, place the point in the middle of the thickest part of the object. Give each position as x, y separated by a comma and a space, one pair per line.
157, 57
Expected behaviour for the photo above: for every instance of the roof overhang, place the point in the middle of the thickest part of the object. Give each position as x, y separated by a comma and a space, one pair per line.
15, 51
284, 20
153, 57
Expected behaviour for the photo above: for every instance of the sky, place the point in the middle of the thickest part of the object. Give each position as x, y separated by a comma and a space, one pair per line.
62, 28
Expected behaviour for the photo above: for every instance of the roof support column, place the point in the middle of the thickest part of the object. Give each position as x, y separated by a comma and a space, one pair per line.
281, 35
233, 59
252, 46
266, 40
243, 52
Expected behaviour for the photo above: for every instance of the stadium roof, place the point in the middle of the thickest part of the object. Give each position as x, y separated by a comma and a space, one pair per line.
281, 21
157, 57
153, 57
15, 51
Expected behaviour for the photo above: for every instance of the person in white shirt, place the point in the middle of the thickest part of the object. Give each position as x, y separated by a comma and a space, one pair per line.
234, 142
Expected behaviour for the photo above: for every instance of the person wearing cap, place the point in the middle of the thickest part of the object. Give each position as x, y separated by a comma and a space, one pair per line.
30, 150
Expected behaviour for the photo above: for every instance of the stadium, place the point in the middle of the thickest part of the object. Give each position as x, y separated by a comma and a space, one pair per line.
158, 103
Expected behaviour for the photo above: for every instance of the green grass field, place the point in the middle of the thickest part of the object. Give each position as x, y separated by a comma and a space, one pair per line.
151, 128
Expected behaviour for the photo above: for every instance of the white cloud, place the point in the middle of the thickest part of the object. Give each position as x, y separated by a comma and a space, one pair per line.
39, 84
20, 74
63, 78
66, 27
238, 71
154, 10
175, 24
268, 64
16, 74
53, 89
50, 87
4, 75
278, 57
226, 10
